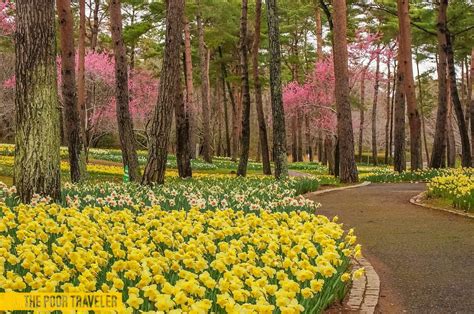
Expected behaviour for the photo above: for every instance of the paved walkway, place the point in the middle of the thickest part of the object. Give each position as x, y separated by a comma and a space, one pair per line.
425, 258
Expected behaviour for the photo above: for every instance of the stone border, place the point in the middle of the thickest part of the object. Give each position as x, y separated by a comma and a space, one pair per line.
418, 201
365, 292
365, 183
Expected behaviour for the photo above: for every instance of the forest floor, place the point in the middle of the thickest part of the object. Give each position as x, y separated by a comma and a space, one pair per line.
423, 257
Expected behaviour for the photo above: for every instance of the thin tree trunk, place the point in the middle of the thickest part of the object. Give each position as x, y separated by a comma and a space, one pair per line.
422, 113
300, 136
471, 100
95, 25
69, 96
190, 106
329, 148
309, 147
278, 113
392, 108
226, 112
262, 128
170, 93
451, 139
244, 65
399, 159
294, 138
374, 110
347, 166
124, 119
81, 76
362, 113
37, 136
458, 110
439, 142
319, 34
409, 85
388, 111
206, 120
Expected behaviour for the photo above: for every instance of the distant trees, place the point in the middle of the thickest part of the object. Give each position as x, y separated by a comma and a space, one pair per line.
37, 137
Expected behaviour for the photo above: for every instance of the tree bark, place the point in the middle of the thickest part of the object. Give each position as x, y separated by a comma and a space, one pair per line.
458, 110
439, 142
374, 110
226, 111
262, 127
329, 148
278, 113
362, 113
399, 159
309, 147
124, 119
81, 73
388, 112
69, 96
95, 25
170, 93
345, 135
471, 101
294, 138
190, 106
422, 113
244, 65
204, 65
37, 137
409, 85
450, 138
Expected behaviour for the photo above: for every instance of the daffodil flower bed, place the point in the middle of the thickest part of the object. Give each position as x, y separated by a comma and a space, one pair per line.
456, 186
222, 261
387, 175
248, 194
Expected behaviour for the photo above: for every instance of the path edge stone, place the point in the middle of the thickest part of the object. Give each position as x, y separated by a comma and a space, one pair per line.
365, 183
418, 201
364, 294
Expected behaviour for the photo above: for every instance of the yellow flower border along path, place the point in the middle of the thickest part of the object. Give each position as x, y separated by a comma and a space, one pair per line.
364, 294
418, 201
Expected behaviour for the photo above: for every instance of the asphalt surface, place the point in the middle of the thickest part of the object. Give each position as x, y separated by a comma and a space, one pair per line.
425, 258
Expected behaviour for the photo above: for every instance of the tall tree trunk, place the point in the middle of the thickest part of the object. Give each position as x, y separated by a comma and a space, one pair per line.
362, 113
124, 119
320, 147
81, 74
471, 100
204, 65
409, 85
226, 112
319, 34
458, 110
37, 136
262, 127
439, 142
170, 93
95, 25
388, 113
190, 106
374, 110
244, 65
420, 96
451, 139
278, 113
68, 73
347, 167
399, 159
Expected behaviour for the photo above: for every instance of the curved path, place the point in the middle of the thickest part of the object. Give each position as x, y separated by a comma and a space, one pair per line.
425, 258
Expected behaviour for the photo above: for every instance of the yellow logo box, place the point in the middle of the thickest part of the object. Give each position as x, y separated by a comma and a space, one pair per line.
40, 301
